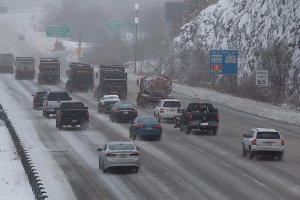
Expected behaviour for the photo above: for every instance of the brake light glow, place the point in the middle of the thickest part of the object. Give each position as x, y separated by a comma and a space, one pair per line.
157, 126
110, 155
282, 142
139, 126
254, 142
135, 154
46, 104
161, 110
190, 117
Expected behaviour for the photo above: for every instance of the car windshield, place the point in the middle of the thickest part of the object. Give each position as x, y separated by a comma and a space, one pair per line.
111, 98
268, 135
172, 104
121, 146
62, 96
147, 121
72, 105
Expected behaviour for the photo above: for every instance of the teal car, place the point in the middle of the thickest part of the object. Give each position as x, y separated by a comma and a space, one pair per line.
147, 127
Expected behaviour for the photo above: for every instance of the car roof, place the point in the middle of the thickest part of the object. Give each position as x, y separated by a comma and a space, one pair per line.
266, 130
176, 100
120, 142
112, 95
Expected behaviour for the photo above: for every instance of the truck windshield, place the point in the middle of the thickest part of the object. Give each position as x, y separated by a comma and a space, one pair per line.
72, 105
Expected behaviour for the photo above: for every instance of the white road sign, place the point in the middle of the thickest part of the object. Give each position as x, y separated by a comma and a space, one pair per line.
262, 77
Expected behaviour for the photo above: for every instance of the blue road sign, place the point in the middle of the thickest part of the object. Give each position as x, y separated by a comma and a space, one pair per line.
223, 62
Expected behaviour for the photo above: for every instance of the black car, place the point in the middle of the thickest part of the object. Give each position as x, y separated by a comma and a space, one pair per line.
123, 111
107, 102
38, 98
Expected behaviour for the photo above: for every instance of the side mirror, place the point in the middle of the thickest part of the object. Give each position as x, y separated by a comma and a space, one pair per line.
216, 109
245, 135
70, 98
138, 148
86, 107
99, 149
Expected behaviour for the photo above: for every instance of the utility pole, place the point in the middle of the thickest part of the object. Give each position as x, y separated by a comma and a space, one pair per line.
136, 21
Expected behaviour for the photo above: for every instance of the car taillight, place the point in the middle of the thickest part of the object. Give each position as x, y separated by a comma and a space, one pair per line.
135, 110
134, 154
157, 126
110, 155
139, 126
161, 110
254, 142
87, 115
190, 117
282, 142
46, 104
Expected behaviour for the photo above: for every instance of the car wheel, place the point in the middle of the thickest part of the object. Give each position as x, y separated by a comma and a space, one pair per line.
134, 136
159, 138
244, 151
101, 111
251, 155
215, 131
99, 163
103, 169
136, 170
280, 156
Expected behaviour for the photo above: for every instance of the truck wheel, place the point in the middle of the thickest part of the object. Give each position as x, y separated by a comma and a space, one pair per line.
60, 126
215, 131
188, 130
280, 156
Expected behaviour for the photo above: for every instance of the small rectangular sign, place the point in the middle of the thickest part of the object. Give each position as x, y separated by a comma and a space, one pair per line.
262, 77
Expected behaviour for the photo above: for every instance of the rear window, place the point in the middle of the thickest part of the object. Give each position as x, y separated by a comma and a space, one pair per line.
268, 135
41, 94
126, 105
61, 96
172, 104
201, 107
148, 121
121, 147
72, 105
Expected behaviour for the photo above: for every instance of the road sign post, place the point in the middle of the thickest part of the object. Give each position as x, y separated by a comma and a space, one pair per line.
58, 31
262, 77
223, 62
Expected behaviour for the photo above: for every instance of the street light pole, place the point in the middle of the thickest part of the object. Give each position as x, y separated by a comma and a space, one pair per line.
136, 21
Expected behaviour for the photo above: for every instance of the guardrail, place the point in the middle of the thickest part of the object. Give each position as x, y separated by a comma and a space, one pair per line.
30, 170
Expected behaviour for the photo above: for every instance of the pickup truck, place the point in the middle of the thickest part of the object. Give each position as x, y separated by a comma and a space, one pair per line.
199, 117
73, 114
52, 101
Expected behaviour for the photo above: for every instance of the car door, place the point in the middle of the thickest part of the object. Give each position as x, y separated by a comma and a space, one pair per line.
157, 108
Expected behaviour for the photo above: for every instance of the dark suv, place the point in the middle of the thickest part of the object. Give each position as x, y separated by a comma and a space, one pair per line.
38, 98
52, 101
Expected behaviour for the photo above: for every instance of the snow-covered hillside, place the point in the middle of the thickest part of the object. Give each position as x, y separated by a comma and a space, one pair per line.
248, 26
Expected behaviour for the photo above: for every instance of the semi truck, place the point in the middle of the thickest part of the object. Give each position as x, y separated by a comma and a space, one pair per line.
25, 68
49, 71
112, 81
152, 89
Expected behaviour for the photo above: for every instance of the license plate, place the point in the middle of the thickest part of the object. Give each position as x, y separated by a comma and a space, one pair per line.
268, 143
125, 113
122, 155
148, 128
74, 120
204, 124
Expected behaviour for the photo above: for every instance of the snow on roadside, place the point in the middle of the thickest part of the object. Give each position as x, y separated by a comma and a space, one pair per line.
14, 183
261, 109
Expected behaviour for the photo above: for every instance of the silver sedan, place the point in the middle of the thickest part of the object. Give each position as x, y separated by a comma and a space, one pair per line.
119, 154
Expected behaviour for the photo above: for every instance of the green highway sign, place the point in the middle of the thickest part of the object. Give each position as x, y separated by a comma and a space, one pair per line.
114, 25
58, 31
